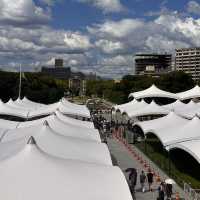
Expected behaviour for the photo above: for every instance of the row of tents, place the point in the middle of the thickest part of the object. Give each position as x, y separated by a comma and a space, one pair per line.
57, 157
26, 109
174, 132
176, 125
153, 91
134, 109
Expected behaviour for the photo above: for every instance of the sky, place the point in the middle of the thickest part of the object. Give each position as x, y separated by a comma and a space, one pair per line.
99, 36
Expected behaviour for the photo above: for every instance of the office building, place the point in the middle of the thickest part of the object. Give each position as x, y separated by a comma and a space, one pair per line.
188, 61
152, 64
59, 63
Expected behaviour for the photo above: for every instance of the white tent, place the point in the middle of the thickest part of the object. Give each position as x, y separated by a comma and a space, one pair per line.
191, 147
149, 109
153, 91
190, 94
6, 109
186, 132
28, 109
73, 105
32, 103
70, 110
43, 111
32, 174
7, 124
157, 125
133, 104
59, 127
189, 110
174, 106
55, 145
70, 120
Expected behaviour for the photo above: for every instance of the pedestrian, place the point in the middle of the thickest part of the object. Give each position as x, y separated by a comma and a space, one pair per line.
142, 181
168, 191
150, 179
161, 191
132, 179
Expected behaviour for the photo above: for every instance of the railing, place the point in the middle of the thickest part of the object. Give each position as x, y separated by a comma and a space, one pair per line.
191, 193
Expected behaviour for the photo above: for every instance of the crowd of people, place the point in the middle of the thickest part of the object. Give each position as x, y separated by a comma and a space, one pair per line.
146, 179
146, 182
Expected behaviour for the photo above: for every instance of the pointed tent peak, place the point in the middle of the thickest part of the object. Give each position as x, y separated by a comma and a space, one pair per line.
196, 117
54, 113
153, 102
18, 99
134, 101
153, 86
46, 123
31, 141
191, 102
143, 101
10, 100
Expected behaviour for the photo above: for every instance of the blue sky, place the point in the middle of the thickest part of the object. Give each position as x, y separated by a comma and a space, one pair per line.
100, 36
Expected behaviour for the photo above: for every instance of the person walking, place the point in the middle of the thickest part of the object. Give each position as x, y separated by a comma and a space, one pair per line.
169, 191
161, 191
132, 179
142, 181
150, 179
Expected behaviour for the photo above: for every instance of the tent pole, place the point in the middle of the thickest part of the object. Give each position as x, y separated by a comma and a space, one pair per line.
169, 163
20, 81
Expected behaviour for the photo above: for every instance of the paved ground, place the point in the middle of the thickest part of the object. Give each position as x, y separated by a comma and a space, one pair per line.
124, 159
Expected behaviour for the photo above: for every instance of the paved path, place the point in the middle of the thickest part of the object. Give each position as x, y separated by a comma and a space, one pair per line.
125, 159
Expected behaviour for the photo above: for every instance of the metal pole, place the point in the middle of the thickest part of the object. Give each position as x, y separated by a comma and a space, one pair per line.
169, 163
20, 81
145, 145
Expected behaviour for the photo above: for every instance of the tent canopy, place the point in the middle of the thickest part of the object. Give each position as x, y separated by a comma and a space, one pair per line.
190, 94
191, 147
36, 175
57, 126
156, 125
66, 147
148, 109
153, 91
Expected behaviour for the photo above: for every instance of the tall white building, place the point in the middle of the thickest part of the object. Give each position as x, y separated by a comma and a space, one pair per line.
188, 61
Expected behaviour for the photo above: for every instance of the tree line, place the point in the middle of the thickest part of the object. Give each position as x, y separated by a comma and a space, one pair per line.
117, 92
35, 86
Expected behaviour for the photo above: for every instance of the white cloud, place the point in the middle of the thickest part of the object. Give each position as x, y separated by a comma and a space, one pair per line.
22, 12
109, 47
107, 6
193, 7
116, 29
77, 41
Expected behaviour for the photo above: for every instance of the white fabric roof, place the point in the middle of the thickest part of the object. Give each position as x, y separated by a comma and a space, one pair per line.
188, 110
6, 109
32, 174
65, 109
28, 109
153, 91
7, 124
55, 145
149, 109
156, 125
188, 131
76, 122
191, 147
174, 106
190, 94
133, 104
73, 105
47, 110
59, 127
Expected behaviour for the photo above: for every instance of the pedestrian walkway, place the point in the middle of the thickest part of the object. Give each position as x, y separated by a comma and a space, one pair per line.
124, 158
